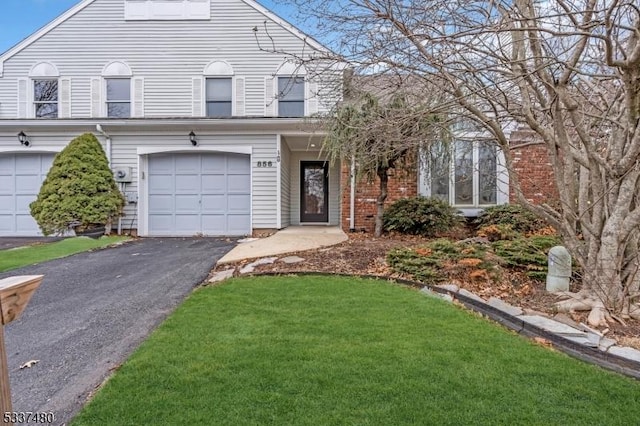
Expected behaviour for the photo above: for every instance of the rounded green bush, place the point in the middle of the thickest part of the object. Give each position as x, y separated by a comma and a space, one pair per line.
79, 188
514, 215
420, 216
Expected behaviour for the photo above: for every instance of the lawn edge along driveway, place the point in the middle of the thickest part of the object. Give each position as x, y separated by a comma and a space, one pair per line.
92, 310
19, 257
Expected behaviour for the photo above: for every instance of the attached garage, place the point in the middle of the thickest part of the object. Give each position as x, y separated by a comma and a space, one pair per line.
20, 178
199, 194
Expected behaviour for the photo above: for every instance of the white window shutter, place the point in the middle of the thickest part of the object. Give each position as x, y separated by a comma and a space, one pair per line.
239, 100
96, 97
312, 98
270, 102
23, 97
65, 98
197, 88
138, 97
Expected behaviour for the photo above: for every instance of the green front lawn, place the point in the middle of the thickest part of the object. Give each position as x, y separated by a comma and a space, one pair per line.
23, 256
318, 350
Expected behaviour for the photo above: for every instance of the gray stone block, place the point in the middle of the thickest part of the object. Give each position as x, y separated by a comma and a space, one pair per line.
222, 275
292, 259
450, 287
606, 343
504, 306
582, 340
471, 295
625, 352
553, 326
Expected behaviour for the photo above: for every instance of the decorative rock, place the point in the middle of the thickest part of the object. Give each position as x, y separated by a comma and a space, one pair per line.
553, 326
222, 275
450, 287
247, 269
264, 261
625, 352
559, 269
470, 295
291, 259
606, 343
504, 307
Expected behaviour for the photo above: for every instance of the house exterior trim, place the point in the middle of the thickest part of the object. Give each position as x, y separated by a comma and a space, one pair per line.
42, 31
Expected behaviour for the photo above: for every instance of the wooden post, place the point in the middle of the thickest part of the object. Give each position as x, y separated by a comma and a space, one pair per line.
5, 390
15, 293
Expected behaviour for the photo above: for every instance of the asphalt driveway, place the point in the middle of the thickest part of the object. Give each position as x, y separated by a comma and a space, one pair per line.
92, 310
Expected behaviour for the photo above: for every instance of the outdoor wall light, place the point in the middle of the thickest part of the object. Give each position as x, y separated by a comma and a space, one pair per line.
192, 139
24, 139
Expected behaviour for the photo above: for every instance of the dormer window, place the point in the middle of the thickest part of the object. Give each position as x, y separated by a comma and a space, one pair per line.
219, 97
44, 89
118, 97
45, 98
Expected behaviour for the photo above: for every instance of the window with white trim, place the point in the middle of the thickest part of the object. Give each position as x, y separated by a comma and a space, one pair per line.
45, 98
118, 99
469, 174
291, 91
219, 96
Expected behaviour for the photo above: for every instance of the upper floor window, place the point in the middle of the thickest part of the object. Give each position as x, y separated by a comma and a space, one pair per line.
118, 97
291, 96
116, 85
45, 98
219, 97
44, 90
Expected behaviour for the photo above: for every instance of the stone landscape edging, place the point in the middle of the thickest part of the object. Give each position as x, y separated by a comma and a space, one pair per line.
609, 361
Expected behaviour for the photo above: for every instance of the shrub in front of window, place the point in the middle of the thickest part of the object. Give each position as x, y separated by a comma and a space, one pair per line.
514, 215
79, 190
420, 216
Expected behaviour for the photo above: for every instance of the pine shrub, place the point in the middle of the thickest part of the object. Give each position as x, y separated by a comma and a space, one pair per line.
420, 216
79, 189
513, 215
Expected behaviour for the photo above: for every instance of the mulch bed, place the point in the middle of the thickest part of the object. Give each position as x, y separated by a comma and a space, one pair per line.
364, 254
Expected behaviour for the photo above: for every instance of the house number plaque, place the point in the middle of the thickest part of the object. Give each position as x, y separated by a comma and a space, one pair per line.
265, 163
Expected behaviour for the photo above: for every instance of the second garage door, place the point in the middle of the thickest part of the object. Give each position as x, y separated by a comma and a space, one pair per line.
21, 176
199, 194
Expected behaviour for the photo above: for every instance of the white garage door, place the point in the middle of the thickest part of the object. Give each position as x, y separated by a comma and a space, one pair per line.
20, 178
199, 194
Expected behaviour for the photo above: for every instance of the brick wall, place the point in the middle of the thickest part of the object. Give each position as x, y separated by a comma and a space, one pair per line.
402, 184
532, 165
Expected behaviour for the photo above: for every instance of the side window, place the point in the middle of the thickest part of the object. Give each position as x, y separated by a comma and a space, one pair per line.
219, 97
45, 98
291, 96
118, 97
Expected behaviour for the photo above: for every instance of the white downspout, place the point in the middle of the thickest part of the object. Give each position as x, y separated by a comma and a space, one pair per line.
107, 137
352, 200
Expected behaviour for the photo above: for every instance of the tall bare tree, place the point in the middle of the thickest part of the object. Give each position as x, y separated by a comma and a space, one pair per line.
569, 70
379, 133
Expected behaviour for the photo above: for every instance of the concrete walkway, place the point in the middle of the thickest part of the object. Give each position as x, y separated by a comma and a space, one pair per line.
288, 240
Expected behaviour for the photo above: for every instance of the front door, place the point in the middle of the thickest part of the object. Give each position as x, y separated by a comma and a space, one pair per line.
314, 191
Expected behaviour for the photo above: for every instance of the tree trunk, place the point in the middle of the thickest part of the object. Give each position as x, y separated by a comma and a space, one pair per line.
383, 175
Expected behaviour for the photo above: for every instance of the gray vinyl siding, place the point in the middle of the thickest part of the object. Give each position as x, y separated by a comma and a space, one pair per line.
263, 179
334, 186
285, 185
167, 54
